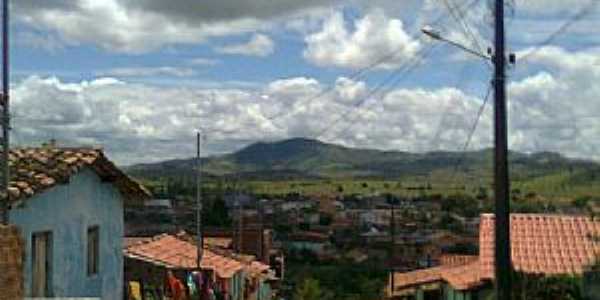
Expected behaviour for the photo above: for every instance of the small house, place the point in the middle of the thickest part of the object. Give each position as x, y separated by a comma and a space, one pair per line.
68, 205
540, 244
147, 262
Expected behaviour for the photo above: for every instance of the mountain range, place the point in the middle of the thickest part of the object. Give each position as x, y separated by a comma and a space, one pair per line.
302, 158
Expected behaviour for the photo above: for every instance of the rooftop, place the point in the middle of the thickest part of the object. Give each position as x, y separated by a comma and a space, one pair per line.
35, 170
173, 253
540, 244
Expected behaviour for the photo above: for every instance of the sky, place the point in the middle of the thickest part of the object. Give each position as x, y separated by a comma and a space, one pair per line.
140, 78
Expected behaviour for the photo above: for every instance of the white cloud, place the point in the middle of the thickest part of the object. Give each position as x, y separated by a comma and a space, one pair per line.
372, 37
36, 40
202, 61
145, 26
552, 7
148, 72
555, 108
259, 45
552, 109
137, 122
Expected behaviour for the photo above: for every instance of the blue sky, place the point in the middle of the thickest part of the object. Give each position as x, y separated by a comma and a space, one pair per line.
138, 78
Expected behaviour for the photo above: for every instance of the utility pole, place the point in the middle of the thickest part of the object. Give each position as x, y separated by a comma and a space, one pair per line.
240, 226
199, 233
392, 202
503, 267
261, 230
5, 122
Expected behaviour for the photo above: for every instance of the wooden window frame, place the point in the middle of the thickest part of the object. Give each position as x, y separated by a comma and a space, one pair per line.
93, 250
49, 240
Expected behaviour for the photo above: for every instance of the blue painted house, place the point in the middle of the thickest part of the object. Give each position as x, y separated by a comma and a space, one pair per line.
68, 204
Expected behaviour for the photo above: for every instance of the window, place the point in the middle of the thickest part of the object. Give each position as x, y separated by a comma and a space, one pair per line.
93, 255
41, 264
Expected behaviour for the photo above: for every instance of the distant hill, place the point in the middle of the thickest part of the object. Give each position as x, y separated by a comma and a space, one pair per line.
301, 158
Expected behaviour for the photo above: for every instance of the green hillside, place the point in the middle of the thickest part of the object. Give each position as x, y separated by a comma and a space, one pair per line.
304, 162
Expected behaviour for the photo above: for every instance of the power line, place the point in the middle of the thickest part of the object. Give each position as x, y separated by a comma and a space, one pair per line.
395, 81
472, 131
562, 29
460, 18
394, 76
363, 71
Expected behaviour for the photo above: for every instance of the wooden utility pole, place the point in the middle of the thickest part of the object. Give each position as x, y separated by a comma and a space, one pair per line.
5, 122
501, 181
199, 233
392, 203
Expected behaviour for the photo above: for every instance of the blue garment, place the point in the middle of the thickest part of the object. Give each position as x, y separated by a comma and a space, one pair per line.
191, 284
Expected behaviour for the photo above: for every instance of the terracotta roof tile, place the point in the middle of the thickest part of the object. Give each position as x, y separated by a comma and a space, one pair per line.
542, 244
172, 252
414, 278
457, 260
34, 170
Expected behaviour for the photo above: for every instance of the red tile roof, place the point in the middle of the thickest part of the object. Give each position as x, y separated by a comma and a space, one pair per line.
540, 244
457, 260
543, 244
219, 242
174, 253
309, 236
34, 170
414, 278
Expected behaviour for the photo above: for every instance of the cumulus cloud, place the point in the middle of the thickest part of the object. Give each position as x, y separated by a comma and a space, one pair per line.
549, 110
372, 37
259, 45
138, 122
148, 72
554, 109
144, 26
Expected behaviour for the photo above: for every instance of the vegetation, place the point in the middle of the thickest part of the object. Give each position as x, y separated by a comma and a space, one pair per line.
310, 290
311, 167
539, 287
341, 279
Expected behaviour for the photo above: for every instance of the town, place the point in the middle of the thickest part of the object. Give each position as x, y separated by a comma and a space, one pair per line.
299, 150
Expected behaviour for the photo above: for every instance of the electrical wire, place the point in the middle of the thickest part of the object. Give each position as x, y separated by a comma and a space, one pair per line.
415, 63
463, 152
359, 73
460, 18
562, 29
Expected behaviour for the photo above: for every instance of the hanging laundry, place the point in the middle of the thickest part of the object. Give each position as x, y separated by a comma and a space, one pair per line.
175, 287
191, 283
135, 290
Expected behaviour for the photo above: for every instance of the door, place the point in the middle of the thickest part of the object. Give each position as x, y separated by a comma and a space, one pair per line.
41, 264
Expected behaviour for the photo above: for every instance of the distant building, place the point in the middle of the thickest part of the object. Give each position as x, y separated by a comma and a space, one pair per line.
314, 242
68, 204
164, 204
540, 244
154, 217
250, 241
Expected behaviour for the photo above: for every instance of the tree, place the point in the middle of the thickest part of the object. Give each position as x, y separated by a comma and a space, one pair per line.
325, 219
581, 202
310, 290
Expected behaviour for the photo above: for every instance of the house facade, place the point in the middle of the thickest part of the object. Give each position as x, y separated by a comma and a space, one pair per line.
68, 205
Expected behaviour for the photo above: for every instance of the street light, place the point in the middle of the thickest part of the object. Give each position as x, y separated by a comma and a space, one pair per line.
502, 245
436, 35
